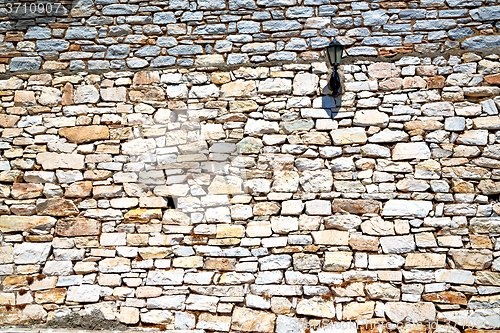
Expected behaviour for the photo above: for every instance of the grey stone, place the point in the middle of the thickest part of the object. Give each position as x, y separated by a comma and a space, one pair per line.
456, 124
276, 3
164, 18
37, 33
136, 63
82, 8
234, 59
211, 4
362, 51
163, 61
328, 10
464, 3
248, 27
435, 25
166, 42
120, 30
19, 64
185, 50
120, 9
281, 25
375, 17
382, 41
95, 20
98, 65
342, 22
244, 4
148, 51
211, 29
81, 33
192, 16
52, 45
408, 14
297, 12
460, 33
486, 13
481, 42
282, 56
118, 52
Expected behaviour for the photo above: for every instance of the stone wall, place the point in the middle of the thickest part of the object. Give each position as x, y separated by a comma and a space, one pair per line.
111, 35
221, 198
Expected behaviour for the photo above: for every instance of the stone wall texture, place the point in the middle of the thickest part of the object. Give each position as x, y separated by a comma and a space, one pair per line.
181, 166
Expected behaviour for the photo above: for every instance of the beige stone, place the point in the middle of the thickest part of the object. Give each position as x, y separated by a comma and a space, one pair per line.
337, 261
348, 136
129, 315
425, 260
24, 223
239, 88
56, 207
55, 161
317, 308
85, 134
355, 311
330, 237
78, 226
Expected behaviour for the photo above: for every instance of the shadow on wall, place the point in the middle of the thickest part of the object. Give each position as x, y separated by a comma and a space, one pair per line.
331, 104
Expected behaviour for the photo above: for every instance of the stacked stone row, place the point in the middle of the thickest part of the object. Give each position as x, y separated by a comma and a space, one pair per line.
379, 206
219, 32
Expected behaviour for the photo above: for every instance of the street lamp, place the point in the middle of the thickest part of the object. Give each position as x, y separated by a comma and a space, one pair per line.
334, 53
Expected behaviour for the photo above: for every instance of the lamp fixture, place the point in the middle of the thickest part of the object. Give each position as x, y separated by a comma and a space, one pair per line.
334, 53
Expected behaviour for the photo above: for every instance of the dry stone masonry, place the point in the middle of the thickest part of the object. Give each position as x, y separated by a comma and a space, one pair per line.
181, 166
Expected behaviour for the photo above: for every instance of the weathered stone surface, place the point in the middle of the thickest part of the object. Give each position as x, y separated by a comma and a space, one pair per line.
248, 320
31, 253
425, 260
355, 206
471, 259
414, 150
25, 223
317, 308
56, 207
84, 134
55, 161
83, 293
348, 136
407, 208
408, 312
71, 227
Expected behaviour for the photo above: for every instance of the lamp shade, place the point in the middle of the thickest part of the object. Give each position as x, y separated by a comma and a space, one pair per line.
334, 52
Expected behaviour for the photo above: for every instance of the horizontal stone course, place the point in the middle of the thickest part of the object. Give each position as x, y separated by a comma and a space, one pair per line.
120, 31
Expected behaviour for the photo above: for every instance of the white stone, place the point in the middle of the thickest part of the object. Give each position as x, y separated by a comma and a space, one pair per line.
407, 208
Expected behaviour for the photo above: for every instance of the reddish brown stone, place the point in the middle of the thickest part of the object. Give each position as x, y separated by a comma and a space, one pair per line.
55, 295
7, 120
26, 190
67, 96
220, 264
493, 79
446, 297
79, 190
56, 207
355, 206
147, 94
393, 5
14, 36
145, 78
392, 51
77, 226
435, 82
